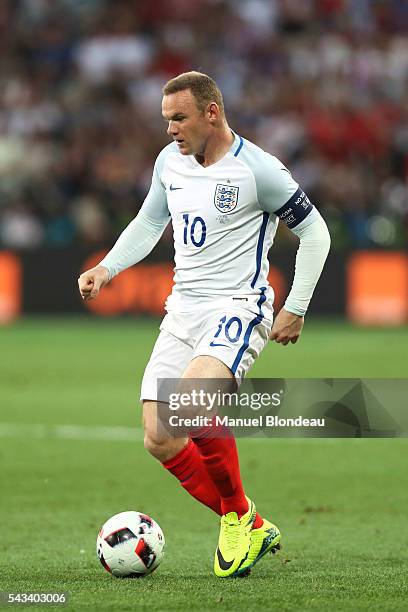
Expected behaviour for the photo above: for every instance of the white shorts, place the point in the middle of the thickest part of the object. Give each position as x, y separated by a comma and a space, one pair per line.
234, 330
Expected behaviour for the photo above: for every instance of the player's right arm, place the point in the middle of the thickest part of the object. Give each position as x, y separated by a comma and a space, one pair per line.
279, 194
135, 242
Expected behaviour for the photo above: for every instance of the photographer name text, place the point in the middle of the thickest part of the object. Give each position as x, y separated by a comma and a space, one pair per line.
259, 421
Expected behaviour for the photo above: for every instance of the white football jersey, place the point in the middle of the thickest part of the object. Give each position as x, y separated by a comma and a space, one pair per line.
224, 218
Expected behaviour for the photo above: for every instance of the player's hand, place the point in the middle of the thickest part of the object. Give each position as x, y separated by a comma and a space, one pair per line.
286, 328
91, 281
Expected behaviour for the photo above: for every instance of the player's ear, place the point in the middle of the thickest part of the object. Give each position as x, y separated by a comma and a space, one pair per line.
213, 112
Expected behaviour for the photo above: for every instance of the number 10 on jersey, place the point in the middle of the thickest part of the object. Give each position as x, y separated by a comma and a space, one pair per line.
196, 230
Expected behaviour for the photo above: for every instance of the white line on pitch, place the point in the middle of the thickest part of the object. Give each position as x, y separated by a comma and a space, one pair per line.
111, 433
70, 432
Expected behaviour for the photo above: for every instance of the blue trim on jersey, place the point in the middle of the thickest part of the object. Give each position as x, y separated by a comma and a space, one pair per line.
249, 329
259, 247
241, 144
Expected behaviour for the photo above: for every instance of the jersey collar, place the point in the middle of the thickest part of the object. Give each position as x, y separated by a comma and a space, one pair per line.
235, 149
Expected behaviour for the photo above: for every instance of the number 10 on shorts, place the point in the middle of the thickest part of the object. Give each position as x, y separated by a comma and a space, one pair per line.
232, 328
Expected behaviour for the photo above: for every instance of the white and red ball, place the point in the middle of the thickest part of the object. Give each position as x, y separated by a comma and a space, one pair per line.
130, 545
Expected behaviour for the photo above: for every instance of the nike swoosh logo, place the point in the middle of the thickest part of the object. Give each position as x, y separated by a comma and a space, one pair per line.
217, 344
174, 188
225, 565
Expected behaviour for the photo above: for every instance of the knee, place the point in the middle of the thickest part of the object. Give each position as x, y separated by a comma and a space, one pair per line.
154, 445
160, 448
156, 439
164, 448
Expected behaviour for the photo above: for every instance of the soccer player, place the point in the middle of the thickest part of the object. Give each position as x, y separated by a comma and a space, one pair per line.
224, 196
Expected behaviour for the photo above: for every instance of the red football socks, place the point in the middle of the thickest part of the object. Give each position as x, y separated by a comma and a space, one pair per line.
220, 458
188, 467
258, 522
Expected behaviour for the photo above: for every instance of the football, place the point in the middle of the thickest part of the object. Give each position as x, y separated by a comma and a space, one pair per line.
130, 545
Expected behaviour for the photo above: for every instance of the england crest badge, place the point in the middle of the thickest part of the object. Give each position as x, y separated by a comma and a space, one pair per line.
225, 197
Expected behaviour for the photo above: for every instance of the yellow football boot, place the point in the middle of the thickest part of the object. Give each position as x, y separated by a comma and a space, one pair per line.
263, 540
234, 541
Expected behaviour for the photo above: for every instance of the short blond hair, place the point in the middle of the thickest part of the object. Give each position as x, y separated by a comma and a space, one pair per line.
204, 89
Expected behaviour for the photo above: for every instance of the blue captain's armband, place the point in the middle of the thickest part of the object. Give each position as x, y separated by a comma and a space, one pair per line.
295, 210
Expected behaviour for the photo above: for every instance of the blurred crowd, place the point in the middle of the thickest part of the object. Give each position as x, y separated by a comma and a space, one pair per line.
321, 84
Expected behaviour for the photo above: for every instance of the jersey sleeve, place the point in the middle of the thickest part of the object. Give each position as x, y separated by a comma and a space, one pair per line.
313, 249
280, 194
155, 204
142, 234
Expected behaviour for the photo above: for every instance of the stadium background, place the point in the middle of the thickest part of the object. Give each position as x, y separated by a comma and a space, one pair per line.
322, 84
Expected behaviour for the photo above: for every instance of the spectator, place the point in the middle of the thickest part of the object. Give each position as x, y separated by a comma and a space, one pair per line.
322, 85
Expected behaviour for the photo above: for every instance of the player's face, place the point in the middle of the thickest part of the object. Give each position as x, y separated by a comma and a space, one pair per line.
187, 125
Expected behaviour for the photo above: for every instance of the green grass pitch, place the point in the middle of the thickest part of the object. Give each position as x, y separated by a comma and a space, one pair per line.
341, 504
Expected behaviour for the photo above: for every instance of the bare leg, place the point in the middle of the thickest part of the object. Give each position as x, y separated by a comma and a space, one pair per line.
160, 445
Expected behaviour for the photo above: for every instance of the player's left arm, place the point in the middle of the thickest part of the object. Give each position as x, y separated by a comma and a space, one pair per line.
287, 200
314, 245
